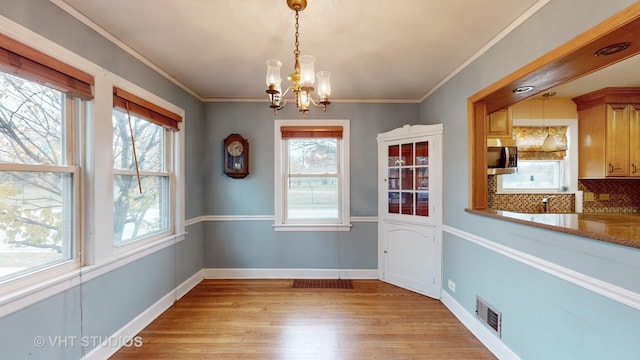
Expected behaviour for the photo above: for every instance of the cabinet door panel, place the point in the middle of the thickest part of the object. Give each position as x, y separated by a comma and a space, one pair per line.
634, 140
617, 152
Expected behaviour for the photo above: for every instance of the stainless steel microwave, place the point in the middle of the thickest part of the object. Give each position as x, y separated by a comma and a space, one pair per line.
502, 156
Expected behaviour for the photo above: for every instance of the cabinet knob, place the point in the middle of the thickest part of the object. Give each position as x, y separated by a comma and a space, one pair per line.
610, 168
634, 169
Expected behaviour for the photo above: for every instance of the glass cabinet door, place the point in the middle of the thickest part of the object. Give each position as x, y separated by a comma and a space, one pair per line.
408, 178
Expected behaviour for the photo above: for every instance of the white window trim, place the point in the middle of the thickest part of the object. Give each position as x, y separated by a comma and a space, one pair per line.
344, 222
568, 167
75, 118
174, 166
95, 236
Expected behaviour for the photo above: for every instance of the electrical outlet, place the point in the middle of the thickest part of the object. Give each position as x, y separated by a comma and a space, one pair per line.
604, 197
588, 196
452, 286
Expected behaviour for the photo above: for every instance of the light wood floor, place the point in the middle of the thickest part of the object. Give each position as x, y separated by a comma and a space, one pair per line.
268, 319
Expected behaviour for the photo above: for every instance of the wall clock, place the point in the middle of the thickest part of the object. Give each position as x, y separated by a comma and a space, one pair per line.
236, 156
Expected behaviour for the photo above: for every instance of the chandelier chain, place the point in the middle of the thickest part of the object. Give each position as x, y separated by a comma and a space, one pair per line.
296, 52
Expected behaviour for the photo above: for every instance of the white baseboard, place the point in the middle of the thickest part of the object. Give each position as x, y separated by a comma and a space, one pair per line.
189, 284
127, 334
214, 273
486, 337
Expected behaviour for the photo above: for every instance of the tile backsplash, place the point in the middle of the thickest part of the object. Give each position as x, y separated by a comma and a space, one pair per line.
527, 203
611, 195
599, 195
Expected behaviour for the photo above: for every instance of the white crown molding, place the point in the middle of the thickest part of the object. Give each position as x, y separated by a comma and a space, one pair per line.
517, 22
88, 22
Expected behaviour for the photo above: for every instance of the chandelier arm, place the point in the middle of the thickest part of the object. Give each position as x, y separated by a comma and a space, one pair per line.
285, 93
321, 105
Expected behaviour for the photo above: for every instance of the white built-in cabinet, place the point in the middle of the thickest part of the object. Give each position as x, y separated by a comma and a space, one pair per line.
410, 208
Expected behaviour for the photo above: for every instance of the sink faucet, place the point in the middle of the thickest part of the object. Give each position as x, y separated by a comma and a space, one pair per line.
545, 202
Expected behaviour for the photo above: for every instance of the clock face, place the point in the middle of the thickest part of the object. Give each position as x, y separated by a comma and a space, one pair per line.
235, 148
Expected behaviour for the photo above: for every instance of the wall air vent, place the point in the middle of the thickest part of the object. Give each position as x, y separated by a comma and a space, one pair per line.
489, 315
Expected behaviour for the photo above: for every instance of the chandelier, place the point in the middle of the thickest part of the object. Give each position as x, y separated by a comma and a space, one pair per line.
302, 78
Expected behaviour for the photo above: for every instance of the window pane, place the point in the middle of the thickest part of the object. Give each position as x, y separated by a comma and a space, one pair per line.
407, 155
394, 202
394, 179
394, 155
422, 153
312, 198
407, 178
422, 204
137, 215
534, 175
406, 202
422, 178
149, 141
313, 156
32, 124
36, 212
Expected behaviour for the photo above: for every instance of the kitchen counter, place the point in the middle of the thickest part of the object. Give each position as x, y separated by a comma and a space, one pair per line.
622, 229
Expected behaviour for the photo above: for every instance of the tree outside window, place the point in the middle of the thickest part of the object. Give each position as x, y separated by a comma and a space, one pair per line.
37, 177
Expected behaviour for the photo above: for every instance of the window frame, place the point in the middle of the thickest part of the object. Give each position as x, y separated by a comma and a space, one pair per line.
281, 223
568, 167
74, 113
147, 111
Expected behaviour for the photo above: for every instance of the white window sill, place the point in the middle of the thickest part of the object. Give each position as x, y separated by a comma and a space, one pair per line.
312, 227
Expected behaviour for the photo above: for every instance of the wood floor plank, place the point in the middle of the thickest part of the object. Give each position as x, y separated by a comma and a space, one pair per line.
268, 319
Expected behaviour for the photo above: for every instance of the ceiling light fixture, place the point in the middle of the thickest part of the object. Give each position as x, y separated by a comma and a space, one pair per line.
522, 89
302, 78
612, 49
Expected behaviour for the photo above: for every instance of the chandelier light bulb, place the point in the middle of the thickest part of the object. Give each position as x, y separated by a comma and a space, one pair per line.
273, 72
307, 72
324, 84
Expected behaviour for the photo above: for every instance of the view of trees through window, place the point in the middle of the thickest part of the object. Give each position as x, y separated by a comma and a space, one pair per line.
39, 177
36, 188
138, 214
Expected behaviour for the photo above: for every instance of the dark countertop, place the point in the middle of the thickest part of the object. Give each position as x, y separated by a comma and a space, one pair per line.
622, 229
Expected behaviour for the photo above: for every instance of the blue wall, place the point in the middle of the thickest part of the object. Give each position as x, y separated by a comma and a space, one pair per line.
544, 316
250, 243
103, 305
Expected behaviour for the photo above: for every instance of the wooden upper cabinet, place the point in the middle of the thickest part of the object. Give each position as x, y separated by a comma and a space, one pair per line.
608, 134
499, 124
634, 140
617, 140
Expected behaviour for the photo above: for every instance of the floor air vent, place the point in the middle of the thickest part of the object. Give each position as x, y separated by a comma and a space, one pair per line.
489, 315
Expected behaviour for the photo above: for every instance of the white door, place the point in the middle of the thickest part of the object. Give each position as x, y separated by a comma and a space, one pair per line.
409, 210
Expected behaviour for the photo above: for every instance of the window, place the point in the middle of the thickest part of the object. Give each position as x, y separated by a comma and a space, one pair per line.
38, 177
542, 175
312, 178
142, 161
542, 171
41, 111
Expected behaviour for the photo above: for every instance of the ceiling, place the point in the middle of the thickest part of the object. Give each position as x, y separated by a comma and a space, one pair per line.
376, 50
